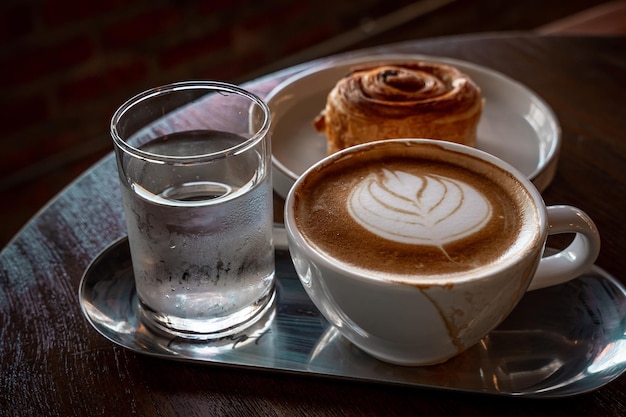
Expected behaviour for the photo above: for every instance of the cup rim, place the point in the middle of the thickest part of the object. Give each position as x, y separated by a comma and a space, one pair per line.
216, 86
429, 280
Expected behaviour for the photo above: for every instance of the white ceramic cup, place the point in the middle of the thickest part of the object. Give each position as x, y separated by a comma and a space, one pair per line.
413, 324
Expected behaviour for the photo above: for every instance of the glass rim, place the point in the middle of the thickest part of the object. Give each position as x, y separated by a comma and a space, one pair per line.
209, 86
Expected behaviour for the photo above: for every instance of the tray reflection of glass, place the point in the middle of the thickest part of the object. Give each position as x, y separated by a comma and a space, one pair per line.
550, 346
198, 208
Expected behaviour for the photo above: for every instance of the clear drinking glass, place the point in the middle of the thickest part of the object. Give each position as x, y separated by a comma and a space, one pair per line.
194, 165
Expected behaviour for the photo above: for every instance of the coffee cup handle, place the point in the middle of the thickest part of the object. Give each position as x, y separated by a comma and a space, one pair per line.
576, 258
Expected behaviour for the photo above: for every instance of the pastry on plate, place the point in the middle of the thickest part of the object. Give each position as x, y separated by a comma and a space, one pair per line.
415, 99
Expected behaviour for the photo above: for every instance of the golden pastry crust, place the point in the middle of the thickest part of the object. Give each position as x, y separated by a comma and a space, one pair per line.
401, 100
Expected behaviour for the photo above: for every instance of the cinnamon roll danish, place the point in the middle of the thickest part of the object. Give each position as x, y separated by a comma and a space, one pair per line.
401, 100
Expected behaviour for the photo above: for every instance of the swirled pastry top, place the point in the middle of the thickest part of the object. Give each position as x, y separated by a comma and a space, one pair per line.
395, 100
394, 90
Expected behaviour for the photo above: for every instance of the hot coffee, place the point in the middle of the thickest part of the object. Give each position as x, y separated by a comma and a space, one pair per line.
415, 249
410, 212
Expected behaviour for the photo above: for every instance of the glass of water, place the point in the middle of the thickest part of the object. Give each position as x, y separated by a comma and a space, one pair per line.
194, 165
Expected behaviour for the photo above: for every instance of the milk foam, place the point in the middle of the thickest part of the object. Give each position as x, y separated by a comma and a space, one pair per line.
418, 209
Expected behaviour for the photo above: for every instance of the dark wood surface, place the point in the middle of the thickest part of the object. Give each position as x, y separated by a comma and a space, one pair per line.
53, 363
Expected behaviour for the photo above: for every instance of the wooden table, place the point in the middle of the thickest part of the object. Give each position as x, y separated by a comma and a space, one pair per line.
53, 363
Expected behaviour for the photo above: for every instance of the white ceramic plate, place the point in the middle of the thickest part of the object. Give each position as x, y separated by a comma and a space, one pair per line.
516, 126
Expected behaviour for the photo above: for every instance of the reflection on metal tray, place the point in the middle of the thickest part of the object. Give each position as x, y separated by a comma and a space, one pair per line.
559, 341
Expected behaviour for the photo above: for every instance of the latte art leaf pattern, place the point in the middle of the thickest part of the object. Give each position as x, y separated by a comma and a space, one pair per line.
418, 209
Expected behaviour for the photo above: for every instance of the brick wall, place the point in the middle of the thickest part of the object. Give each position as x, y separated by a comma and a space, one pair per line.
66, 65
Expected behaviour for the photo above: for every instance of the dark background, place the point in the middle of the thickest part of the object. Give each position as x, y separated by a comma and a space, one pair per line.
65, 66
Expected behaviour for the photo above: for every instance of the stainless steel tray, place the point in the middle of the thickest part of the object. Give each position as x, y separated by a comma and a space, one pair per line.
559, 341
